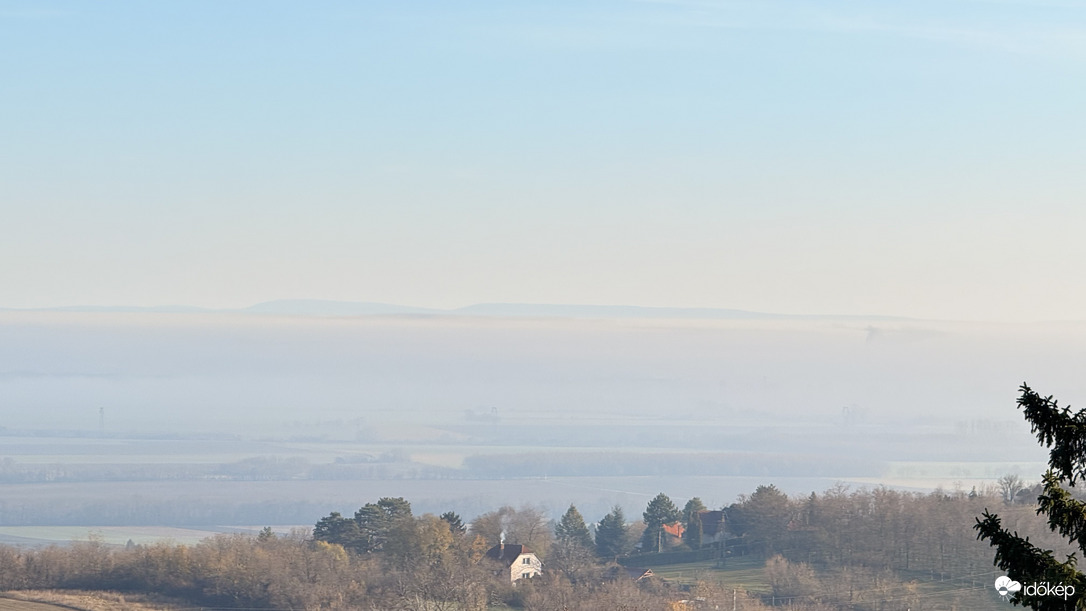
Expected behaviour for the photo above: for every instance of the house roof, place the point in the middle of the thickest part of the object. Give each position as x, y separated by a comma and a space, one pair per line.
638, 574
507, 554
631, 572
711, 522
675, 530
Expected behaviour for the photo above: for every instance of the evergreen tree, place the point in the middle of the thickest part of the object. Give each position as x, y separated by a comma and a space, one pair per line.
812, 510
1065, 433
659, 511
573, 554
693, 532
456, 525
571, 529
377, 520
692, 520
334, 528
762, 518
693, 506
611, 535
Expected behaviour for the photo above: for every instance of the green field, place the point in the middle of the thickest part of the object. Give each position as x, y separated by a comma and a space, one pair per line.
744, 573
748, 574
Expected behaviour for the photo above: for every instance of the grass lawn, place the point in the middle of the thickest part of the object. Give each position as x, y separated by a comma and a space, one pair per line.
748, 573
744, 573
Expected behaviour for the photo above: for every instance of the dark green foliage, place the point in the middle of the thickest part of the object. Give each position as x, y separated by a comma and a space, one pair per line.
573, 553
376, 520
762, 518
1059, 429
659, 511
1065, 433
1026, 563
370, 528
456, 525
334, 528
612, 536
693, 532
692, 520
691, 507
571, 530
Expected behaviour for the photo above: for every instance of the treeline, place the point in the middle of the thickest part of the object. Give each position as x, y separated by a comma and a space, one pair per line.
613, 464
433, 568
862, 550
845, 549
391, 465
915, 533
398, 465
224, 571
145, 511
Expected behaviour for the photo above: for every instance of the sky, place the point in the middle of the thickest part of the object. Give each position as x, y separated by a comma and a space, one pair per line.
918, 159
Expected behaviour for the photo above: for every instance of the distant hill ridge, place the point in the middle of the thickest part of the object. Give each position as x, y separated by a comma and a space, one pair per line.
328, 308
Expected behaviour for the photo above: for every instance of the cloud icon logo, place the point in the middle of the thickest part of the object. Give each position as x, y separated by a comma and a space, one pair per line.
1006, 586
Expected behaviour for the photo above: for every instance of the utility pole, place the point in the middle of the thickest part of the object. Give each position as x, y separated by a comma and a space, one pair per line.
101, 422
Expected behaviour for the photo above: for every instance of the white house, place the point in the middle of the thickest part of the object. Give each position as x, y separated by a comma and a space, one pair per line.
517, 561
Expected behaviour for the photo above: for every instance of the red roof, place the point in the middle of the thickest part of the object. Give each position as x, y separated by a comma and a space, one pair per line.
675, 530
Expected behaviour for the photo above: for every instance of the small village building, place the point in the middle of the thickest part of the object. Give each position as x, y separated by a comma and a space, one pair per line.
516, 561
712, 526
674, 530
670, 536
633, 573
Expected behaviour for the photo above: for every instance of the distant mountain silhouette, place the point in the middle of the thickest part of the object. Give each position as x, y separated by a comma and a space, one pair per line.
597, 311
320, 307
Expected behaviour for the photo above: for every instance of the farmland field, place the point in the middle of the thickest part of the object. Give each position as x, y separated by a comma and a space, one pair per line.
749, 574
746, 573
112, 535
200, 487
304, 502
56, 488
54, 600
8, 604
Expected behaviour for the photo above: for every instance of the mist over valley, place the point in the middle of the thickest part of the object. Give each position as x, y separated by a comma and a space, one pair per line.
269, 417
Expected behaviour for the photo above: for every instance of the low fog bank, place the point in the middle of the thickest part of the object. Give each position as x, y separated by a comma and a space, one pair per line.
181, 418
240, 374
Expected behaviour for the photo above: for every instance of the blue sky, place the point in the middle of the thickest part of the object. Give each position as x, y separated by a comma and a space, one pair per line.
919, 159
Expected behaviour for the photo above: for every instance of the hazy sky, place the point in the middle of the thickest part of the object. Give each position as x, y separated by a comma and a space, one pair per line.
913, 158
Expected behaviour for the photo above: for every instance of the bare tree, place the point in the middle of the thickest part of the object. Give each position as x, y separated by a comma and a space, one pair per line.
1009, 486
